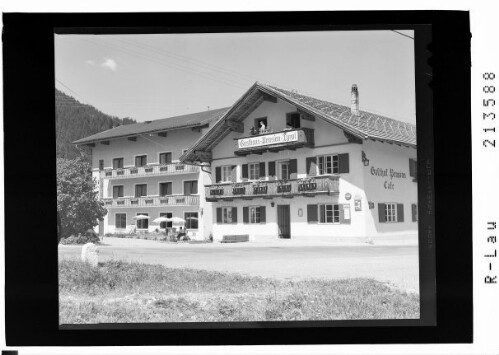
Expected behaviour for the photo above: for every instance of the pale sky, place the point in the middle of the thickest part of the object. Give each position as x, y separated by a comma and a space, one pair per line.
149, 77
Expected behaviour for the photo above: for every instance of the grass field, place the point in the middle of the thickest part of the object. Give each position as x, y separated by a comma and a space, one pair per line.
123, 292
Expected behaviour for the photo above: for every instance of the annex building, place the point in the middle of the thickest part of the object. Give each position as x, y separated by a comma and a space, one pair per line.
286, 165
138, 173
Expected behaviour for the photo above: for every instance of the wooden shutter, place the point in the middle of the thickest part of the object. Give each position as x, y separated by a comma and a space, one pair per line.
293, 169
194, 188
168, 158
262, 214
218, 174
234, 214
262, 170
233, 175
245, 215
312, 216
400, 212
414, 212
244, 173
345, 219
272, 169
381, 213
343, 163
412, 168
311, 166
219, 214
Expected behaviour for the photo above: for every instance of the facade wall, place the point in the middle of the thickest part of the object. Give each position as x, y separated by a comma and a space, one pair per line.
175, 142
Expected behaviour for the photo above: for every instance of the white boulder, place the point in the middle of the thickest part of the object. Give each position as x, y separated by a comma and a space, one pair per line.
90, 254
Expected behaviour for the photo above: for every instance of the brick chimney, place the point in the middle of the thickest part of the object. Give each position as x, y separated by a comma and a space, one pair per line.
354, 103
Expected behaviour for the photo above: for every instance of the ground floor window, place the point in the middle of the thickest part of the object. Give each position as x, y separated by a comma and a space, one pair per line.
120, 220
143, 223
254, 214
164, 225
391, 212
191, 220
329, 213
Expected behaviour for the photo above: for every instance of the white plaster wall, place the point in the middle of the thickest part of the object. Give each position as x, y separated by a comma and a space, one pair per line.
389, 156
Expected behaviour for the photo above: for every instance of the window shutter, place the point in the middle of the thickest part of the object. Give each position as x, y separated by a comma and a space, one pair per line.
168, 158
169, 188
343, 218
343, 163
245, 172
412, 168
312, 214
293, 168
233, 175
234, 214
187, 188
262, 214
219, 215
414, 212
218, 174
400, 212
101, 164
262, 170
311, 166
272, 169
194, 188
245, 215
381, 212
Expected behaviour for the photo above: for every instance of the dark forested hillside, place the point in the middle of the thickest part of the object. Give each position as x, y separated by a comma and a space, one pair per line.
74, 120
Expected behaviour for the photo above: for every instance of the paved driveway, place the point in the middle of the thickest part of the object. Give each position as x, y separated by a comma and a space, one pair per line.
285, 259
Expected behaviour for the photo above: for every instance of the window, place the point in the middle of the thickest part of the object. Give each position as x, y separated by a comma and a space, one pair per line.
293, 120
191, 220
254, 171
140, 190
261, 124
101, 164
226, 173
140, 160
284, 171
391, 212
118, 163
120, 220
143, 223
164, 225
328, 164
165, 188
190, 187
329, 213
165, 158
117, 191
254, 215
414, 212
226, 214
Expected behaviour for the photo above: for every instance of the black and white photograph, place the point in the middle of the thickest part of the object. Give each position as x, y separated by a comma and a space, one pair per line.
237, 177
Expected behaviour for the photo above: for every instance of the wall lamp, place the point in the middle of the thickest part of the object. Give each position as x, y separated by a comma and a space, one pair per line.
364, 159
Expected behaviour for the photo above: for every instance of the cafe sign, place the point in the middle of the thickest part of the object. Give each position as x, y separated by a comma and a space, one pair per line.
268, 139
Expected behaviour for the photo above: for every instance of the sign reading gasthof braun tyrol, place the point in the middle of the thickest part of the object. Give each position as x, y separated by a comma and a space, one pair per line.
276, 138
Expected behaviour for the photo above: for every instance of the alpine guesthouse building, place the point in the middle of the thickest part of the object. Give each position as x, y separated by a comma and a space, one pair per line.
276, 164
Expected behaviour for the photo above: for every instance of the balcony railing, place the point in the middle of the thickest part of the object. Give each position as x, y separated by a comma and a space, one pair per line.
275, 141
149, 170
152, 201
327, 184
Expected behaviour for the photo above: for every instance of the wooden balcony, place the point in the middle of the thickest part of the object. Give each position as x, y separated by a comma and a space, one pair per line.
152, 201
309, 187
149, 170
275, 141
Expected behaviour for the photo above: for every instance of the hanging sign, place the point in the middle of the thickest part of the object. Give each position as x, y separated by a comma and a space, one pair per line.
358, 204
348, 196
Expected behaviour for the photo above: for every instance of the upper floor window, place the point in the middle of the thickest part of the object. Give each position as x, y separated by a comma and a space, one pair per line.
101, 164
165, 188
140, 190
141, 160
118, 191
190, 187
226, 173
260, 126
328, 164
284, 170
254, 171
165, 158
118, 163
293, 120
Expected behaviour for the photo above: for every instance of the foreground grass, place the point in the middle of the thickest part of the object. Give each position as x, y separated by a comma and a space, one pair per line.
119, 291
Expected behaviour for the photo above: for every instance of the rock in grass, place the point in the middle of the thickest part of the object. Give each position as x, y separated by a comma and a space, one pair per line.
90, 254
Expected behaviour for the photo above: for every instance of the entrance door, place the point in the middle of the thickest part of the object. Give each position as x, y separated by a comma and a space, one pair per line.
283, 221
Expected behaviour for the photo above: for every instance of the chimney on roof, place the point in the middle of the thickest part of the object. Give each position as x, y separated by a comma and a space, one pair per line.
354, 103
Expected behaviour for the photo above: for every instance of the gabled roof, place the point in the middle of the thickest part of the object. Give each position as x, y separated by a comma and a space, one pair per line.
365, 125
165, 124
